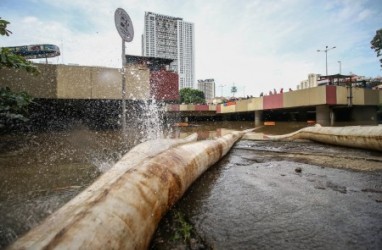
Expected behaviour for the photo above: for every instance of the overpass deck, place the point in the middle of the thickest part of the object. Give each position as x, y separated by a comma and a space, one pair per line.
312, 97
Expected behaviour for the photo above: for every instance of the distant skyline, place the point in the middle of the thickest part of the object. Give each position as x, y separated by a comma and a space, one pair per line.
256, 45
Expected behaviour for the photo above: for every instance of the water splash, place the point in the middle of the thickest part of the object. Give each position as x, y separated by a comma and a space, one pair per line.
153, 119
103, 165
147, 117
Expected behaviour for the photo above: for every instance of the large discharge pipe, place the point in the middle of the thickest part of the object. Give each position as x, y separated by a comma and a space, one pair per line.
366, 137
121, 210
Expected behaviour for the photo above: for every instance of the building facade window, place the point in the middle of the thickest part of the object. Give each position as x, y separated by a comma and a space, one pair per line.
208, 88
172, 38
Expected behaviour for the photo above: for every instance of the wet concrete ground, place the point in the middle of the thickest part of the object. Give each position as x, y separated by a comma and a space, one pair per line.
277, 195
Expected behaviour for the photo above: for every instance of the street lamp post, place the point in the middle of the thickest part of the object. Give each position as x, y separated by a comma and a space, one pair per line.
326, 55
339, 62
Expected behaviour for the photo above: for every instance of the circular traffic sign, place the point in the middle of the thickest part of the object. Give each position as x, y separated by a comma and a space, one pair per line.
124, 25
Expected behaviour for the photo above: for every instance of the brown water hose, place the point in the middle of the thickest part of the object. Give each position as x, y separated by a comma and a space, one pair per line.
366, 137
122, 209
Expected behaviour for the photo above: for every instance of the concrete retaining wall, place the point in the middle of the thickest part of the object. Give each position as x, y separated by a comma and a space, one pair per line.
83, 82
43, 85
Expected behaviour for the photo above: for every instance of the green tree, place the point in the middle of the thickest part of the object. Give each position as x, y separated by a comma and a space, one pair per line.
11, 60
376, 44
13, 106
3, 27
189, 95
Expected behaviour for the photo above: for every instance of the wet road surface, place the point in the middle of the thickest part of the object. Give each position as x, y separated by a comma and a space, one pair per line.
261, 197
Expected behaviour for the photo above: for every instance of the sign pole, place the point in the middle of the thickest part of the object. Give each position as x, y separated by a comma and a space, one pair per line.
123, 87
126, 31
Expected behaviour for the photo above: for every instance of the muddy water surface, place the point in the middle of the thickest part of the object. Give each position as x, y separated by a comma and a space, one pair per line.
41, 171
253, 198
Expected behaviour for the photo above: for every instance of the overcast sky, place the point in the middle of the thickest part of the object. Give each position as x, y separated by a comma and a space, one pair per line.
257, 45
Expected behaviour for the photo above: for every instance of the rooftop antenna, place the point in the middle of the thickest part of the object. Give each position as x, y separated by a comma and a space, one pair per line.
233, 89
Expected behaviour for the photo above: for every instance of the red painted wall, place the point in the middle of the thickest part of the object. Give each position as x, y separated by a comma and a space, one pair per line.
164, 85
331, 95
273, 101
201, 108
218, 108
173, 107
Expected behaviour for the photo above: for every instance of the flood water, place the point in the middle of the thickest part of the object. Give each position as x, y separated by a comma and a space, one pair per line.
41, 171
253, 198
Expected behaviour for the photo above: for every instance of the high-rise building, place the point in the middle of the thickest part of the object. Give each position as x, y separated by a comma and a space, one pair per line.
208, 88
171, 38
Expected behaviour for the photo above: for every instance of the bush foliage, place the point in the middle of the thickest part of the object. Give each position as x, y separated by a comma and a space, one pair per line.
188, 95
13, 106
